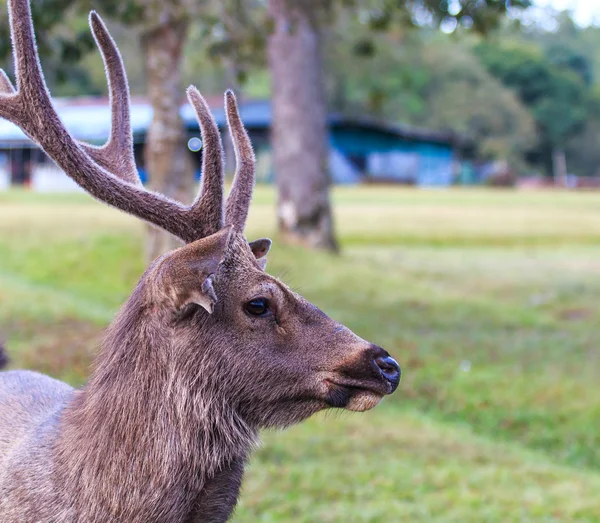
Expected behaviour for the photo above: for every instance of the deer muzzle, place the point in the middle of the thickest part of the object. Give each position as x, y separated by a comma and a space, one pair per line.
389, 369
363, 380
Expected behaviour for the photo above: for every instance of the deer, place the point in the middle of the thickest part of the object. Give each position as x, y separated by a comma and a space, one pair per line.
208, 350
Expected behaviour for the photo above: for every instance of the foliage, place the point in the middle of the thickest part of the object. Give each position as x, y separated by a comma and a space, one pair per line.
583, 151
553, 73
488, 300
556, 97
436, 83
61, 46
241, 28
521, 92
577, 49
64, 38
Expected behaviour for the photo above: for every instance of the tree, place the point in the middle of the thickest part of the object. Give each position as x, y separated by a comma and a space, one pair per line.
161, 27
298, 92
572, 48
430, 80
299, 134
295, 33
169, 163
556, 97
582, 150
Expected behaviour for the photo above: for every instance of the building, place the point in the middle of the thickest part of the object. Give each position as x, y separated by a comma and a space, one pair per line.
362, 150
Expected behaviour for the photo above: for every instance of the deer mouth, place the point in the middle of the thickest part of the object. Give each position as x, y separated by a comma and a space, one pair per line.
364, 382
355, 396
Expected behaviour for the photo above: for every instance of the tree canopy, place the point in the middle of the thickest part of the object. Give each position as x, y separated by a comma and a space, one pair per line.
518, 93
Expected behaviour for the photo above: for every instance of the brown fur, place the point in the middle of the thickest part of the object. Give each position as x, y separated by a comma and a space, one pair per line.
191, 369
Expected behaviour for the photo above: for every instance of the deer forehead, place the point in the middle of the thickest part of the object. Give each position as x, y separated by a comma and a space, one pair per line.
253, 283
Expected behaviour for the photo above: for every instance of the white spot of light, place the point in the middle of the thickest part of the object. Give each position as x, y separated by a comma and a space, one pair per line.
194, 144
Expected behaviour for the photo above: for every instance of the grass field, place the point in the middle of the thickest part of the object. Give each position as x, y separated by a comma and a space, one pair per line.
489, 301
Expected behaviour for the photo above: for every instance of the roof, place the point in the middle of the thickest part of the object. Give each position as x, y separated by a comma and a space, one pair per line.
88, 119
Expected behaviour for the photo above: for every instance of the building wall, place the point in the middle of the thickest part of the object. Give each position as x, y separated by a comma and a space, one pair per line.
356, 155
386, 157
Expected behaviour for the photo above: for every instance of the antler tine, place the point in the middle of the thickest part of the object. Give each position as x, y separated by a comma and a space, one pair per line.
238, 201
31, 109
116, 155
6, 87
10, 95
27, 65
30, 78
207, 210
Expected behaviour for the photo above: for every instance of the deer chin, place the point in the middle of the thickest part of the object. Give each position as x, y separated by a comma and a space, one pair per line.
363, 400
352, 397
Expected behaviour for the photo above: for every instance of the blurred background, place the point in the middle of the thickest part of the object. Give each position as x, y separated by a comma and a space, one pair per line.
429, 172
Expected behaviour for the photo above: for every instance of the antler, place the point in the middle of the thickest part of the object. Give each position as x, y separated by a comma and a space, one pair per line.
109, 173
116, 155
238, 202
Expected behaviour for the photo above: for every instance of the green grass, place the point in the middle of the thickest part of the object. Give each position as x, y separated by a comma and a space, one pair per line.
487, 299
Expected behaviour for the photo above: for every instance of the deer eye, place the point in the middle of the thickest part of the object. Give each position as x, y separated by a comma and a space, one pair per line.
257, 307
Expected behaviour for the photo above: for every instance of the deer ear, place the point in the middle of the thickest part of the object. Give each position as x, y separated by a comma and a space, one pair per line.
260, 248
191, 270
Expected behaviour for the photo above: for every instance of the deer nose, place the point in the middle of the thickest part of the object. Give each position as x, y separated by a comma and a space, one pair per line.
389, 369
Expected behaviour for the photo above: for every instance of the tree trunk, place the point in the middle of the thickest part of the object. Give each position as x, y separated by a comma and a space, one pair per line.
168, 162
559, 166
299, 133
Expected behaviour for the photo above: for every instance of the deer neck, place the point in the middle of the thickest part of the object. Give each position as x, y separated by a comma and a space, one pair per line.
145, 426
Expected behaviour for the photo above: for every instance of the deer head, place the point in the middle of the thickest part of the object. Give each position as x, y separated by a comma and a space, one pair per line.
270, 355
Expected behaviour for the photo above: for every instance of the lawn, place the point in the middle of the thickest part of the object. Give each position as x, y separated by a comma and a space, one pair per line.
488, 300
